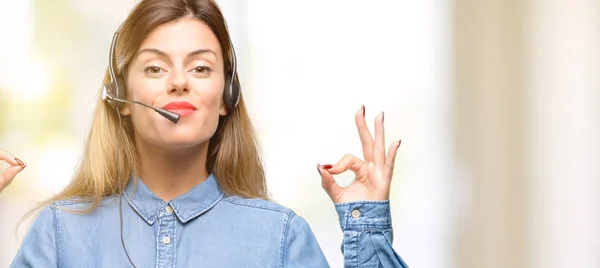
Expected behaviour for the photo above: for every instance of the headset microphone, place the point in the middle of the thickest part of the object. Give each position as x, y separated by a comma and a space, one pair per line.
173, 117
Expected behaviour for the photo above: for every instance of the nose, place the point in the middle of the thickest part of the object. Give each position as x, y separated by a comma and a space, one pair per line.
179, 82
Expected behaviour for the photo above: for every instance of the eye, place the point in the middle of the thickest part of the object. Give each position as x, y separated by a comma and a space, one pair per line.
153, 70
203, 70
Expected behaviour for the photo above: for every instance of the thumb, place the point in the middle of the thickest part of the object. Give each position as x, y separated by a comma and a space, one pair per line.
8, 175
328, 183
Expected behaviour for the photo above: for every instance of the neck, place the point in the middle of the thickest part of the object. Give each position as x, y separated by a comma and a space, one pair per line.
171, 173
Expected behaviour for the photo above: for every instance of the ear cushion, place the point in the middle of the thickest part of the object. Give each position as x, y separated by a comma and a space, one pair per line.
115, 89
231, 93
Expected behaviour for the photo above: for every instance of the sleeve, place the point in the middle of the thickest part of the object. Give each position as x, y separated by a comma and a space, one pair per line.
300, 246
39, 246
368, 235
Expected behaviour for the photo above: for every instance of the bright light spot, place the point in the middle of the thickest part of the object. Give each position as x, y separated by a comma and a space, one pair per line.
30, 82
21, 76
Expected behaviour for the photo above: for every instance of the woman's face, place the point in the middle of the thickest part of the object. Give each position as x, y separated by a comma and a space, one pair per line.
179, 67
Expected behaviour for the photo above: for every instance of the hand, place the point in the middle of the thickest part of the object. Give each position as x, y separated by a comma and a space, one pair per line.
373, 176
16, 165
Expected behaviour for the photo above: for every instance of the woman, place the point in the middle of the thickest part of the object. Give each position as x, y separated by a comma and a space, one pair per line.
194, 191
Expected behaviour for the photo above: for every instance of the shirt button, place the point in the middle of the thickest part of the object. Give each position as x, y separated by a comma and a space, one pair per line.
166, 240
169, 210
355, 214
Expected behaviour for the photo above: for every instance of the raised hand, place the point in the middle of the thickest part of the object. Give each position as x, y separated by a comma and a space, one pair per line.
16, 165
373, 175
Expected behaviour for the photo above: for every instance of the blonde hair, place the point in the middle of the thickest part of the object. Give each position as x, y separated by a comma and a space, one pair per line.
232, 154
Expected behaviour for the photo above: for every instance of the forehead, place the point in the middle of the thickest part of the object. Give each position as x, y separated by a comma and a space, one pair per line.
182, 36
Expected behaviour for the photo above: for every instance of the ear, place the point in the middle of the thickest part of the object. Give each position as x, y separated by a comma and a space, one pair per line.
223, 109
125, 111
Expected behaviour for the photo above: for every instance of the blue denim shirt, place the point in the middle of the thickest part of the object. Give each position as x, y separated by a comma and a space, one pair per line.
201, 228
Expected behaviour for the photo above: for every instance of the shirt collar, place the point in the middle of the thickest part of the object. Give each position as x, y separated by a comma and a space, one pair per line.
187, 206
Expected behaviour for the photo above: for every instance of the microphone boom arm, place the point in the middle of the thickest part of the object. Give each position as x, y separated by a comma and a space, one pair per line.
171, 116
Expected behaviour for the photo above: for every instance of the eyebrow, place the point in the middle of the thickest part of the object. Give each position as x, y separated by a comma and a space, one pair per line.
193, 53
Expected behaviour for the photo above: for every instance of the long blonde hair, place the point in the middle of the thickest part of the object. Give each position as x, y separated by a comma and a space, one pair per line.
232, 154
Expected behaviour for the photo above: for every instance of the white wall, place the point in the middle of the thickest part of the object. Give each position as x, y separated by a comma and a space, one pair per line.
564, 127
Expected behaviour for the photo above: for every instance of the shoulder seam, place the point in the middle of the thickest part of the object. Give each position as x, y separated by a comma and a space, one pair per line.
282, 210
74, 201
56, 234
284, 235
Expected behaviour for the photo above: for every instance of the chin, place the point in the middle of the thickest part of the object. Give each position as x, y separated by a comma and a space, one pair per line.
185, 135
182, 138
177, 141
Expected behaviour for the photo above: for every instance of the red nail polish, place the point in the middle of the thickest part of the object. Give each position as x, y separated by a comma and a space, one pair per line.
399, 142
327, 166
363, 110
20, 162
382, 116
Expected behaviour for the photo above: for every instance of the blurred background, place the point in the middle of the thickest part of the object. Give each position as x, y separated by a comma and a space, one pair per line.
497, 103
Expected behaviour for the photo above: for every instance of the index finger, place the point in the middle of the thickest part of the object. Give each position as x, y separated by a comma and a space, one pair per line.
8, 158
365, 135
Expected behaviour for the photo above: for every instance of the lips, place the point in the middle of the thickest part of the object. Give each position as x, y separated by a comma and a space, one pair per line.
183, 108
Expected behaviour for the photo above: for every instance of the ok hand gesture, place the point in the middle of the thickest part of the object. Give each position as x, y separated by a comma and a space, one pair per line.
373, 175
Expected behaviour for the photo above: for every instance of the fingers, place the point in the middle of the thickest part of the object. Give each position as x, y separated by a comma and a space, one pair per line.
8, 175
328, 183
327, 171
364, 134
391, 157
379, 143
348, 162
9, 158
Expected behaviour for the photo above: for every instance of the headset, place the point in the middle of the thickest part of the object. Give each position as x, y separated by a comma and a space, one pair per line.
114, 93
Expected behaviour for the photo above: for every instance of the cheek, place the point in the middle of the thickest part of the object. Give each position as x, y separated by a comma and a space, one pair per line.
146, 90
210, 94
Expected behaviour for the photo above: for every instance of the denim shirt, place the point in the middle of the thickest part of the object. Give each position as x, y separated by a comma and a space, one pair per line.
201, 228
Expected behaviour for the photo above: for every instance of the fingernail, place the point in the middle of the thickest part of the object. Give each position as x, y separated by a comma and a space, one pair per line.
326, 166
20, 162
318, 170
382, 116
363, 110
399, 142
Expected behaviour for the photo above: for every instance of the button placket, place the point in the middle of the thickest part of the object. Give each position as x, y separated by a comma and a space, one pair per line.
167, 222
